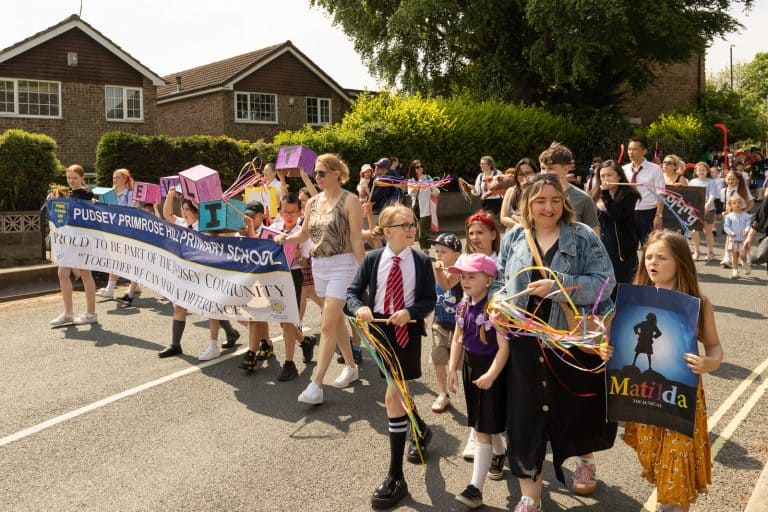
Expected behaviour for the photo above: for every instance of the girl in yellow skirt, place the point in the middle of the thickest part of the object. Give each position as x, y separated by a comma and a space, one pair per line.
679, 466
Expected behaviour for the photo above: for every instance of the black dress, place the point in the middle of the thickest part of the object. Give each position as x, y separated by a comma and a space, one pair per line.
618, 232
549, 401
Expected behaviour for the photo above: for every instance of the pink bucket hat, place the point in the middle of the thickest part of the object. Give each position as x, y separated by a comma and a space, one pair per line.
475, 262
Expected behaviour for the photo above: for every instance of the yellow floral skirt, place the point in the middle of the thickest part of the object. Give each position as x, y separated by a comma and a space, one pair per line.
679, 466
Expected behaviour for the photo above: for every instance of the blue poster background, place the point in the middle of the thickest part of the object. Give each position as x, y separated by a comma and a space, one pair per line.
660, 325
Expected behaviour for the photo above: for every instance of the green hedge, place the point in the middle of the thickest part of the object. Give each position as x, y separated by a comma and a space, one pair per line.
151, 157
28, 165
450, 135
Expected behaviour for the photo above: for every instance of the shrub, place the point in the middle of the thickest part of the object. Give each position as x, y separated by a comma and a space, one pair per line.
151, 157
679, 133
28, 165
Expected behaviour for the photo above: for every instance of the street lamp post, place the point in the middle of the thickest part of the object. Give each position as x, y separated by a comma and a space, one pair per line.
732, 66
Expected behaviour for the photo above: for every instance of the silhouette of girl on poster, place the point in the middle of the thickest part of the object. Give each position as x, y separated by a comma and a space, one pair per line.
647, 331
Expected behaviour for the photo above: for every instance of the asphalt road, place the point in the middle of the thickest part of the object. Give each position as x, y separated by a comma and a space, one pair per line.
214, 438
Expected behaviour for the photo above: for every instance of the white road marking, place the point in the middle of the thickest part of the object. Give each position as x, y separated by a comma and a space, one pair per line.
728, 431
119, 396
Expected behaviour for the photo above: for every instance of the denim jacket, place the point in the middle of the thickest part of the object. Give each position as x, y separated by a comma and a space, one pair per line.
580, 261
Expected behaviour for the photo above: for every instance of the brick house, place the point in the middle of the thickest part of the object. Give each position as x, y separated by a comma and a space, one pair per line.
72, 83
250, 96
676, 87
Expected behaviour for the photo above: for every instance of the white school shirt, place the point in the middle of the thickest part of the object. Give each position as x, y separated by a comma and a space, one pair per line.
181, 222
651, 174
407, 269
726, 194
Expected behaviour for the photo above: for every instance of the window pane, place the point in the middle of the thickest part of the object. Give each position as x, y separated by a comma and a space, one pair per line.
6, 96
312, 110
134, 103
325, 111
114, 103
242, 106
38, 98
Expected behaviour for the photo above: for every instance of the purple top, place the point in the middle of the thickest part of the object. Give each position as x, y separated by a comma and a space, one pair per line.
472, 320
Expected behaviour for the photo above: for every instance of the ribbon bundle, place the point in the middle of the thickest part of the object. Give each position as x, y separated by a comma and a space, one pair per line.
250, 173
389, 181
589, 334
376, 341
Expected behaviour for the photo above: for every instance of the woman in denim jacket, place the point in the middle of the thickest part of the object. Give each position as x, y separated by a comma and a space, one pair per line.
550, 400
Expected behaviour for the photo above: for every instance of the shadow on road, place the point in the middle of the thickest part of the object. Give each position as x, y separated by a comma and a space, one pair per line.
743, 313
731, 372
735, 456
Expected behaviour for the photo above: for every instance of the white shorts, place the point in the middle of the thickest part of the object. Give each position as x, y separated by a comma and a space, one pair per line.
334, 274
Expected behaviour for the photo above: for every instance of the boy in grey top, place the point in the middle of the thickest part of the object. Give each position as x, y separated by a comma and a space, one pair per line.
557, 159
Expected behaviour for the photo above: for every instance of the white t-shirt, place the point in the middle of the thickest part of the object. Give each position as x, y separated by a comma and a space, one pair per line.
181, 222
651, 174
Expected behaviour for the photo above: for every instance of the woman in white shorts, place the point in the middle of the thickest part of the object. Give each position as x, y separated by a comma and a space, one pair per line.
333, 221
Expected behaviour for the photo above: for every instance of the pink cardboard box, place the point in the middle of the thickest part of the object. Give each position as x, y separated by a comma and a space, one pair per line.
201, 184
167, 183
293, 158
146, 192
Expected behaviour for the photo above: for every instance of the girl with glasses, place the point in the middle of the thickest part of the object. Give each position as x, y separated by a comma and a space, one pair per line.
400, 287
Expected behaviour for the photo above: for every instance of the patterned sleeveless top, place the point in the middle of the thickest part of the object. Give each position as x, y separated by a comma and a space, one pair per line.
329, 232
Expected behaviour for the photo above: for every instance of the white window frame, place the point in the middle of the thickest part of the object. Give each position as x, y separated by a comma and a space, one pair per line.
125, 90
255, 121
15, 112
319, 100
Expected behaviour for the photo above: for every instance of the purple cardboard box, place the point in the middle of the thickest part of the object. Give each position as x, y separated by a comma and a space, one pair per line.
167, 183
293, 158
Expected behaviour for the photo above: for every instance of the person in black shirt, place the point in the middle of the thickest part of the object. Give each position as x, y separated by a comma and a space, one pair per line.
76, 181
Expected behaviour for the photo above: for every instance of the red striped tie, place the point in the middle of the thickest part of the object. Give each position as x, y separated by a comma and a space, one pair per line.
395, 300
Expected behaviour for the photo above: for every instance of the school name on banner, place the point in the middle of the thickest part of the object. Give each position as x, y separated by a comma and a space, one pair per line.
217, 277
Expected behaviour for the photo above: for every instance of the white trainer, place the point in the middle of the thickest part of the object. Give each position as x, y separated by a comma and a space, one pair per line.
210, 352
85, 318
62, 319
313, 395
347, 376
104, 292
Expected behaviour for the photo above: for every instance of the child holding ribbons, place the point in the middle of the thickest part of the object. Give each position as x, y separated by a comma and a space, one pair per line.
401, 293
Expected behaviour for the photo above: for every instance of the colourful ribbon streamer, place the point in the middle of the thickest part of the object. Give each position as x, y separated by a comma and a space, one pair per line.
515, 321
377, 343
389, 181
248, 175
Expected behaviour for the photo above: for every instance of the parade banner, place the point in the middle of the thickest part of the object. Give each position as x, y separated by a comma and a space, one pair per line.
688, 203
217, 277
647, 379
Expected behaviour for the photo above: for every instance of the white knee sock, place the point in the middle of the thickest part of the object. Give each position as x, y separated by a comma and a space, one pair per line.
483, 454
498, 444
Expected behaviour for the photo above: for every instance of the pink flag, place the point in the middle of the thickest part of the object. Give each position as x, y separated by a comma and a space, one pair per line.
435, 225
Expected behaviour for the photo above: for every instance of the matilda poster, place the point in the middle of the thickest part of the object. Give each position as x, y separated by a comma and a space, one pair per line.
647, 379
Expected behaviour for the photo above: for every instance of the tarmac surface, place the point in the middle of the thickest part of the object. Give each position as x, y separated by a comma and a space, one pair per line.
94, 421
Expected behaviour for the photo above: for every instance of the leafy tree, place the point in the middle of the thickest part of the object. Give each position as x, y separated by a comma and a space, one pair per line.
561, 51
754, 78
